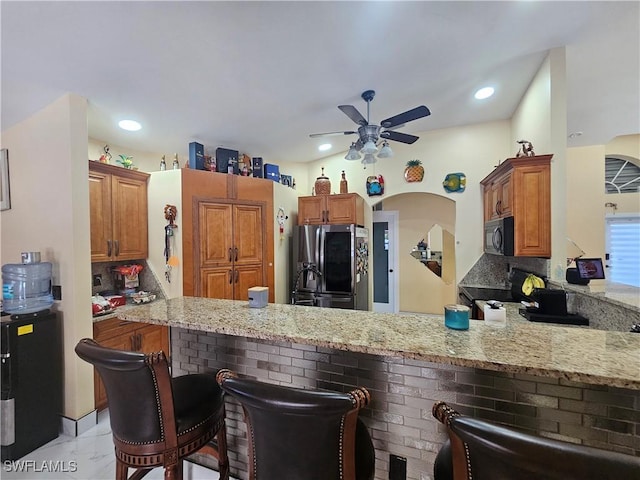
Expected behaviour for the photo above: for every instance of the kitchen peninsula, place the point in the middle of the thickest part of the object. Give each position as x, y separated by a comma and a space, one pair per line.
577, 384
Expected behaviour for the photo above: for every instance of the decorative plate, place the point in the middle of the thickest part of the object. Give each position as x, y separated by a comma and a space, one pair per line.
455, 182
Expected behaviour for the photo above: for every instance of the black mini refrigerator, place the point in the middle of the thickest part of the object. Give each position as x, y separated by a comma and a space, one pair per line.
31, 402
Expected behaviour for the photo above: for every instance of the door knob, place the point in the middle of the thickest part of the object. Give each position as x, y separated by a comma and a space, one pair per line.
391, 270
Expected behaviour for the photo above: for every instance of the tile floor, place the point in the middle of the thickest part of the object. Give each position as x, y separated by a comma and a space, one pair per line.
93, 455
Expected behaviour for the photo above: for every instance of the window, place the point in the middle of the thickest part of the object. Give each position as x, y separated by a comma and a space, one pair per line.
623, 247
621, 176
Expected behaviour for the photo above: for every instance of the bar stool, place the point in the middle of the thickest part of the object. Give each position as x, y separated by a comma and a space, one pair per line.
157, 420
299, 434
481, 450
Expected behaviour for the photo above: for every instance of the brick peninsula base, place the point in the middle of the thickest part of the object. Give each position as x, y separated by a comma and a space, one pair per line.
544, 397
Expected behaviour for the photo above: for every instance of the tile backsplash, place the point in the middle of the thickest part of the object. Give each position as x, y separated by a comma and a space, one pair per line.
148, 281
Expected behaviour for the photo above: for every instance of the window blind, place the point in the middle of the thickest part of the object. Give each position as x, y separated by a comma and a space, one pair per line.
623, 240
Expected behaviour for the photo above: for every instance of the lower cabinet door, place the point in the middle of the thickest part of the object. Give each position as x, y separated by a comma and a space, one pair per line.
217, 282
247, 276
153, 338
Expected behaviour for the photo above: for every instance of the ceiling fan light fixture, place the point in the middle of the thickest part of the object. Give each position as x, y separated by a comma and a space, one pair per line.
353, 153
368, 158
385, 151
369, 148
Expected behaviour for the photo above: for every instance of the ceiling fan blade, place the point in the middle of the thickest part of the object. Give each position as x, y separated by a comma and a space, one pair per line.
330, 134
399, 137
353, 113
405, 117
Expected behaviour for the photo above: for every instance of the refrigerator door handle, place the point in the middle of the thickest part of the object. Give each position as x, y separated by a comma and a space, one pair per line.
321, 267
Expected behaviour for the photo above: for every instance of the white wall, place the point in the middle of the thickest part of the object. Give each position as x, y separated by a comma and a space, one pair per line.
50, 213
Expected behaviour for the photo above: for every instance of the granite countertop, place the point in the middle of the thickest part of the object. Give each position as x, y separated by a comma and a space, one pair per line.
576, 354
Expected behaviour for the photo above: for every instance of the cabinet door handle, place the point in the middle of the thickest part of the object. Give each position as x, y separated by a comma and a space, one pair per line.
499, 207
236, 257
133, 342
117, 244
230, 254
108, 248
230, 277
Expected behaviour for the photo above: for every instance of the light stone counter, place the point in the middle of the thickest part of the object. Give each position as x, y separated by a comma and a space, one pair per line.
576, 354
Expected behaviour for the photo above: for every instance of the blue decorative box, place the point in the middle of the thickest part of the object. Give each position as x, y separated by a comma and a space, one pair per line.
272, 172
196, 156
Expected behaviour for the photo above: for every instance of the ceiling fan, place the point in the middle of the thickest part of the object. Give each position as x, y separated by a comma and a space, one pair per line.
368, 134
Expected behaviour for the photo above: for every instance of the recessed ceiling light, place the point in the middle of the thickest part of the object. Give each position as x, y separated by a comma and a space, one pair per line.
324, 147
483, 93
130, 125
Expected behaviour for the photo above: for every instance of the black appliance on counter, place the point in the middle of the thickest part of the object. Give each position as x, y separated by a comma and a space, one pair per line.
31, 402
552, 304
330, 266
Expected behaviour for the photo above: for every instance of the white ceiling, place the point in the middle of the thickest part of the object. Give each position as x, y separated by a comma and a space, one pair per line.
261, 76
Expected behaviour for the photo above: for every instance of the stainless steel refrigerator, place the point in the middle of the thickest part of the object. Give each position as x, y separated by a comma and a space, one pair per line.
330, 266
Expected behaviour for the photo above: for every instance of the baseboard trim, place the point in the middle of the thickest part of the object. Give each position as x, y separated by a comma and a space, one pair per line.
73, 427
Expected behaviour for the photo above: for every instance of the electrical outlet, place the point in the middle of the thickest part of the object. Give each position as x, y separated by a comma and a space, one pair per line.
97, 280
397, 467
56, 290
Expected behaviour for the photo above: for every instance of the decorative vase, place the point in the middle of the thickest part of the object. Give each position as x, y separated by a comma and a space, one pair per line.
322, 185
414, 171
343, 184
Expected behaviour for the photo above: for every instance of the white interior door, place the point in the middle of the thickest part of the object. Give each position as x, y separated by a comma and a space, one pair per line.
386, 295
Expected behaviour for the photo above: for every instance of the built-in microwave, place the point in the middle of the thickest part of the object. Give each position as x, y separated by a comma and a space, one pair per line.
499, 236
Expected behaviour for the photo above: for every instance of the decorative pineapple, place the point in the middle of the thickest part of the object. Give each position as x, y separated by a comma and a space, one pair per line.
414, 172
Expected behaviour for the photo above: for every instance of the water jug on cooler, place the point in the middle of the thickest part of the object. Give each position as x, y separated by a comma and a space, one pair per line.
26, 286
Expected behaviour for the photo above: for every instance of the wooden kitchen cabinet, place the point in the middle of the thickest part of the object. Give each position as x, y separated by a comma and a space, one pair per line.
227, 234
128, 336
497, 198
344, 208
231, 253
118, 211
521, 187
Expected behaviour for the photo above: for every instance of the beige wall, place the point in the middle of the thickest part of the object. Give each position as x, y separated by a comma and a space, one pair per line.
420, 289
586, 195
287, 198
50, 213
541, 118
165, 188
473, 150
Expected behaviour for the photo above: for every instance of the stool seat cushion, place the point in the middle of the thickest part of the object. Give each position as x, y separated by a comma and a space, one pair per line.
196, 398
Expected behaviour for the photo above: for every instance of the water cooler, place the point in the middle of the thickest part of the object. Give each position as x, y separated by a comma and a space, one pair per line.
30, 358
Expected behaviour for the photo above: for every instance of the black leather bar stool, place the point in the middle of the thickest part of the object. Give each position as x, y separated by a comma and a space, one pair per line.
481, 450
157, 420
297, 434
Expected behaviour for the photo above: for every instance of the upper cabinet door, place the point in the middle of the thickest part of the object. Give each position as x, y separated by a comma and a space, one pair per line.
248, 234
100, 216
129, 197
216, 241
344, 209
311, 210
118, 209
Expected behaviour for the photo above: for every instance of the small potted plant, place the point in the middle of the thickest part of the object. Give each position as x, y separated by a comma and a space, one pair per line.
126, 161
414, 172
